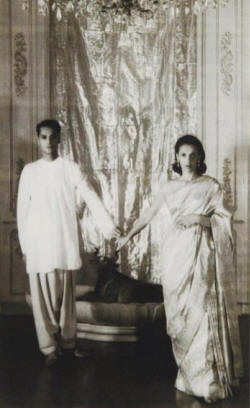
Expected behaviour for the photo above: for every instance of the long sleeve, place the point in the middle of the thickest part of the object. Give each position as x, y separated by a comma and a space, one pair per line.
101, 218
23, 203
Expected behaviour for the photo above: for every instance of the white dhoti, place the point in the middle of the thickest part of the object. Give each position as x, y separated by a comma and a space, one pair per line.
53, 302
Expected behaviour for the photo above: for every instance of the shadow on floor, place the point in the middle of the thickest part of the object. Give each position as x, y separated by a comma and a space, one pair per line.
115, 376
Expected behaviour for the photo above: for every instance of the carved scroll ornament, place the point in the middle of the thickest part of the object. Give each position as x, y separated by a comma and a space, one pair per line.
20, 66
228, 193
227, 63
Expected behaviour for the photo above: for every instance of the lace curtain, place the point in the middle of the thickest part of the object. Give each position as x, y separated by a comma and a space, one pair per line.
124, 94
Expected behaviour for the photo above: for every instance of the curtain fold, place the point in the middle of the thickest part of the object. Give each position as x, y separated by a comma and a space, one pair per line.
123, 97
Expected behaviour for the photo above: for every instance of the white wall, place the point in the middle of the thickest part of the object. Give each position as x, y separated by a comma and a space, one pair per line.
223, 82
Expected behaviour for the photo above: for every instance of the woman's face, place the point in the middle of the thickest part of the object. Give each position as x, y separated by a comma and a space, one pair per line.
188, 158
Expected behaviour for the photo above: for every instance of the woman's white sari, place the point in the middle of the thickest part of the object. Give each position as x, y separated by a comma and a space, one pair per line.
199, 290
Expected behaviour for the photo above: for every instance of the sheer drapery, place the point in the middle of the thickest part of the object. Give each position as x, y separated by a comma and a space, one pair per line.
123, 97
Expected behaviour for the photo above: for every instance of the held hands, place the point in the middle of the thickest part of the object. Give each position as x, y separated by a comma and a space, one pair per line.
121, 242
116, 233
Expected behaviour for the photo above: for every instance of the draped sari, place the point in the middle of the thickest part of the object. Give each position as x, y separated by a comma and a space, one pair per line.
199, 289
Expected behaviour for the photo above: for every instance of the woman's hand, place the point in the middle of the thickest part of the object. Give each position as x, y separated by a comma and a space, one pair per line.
121, 242
186, 221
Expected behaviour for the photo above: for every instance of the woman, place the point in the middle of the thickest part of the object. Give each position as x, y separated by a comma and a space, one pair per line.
198, 276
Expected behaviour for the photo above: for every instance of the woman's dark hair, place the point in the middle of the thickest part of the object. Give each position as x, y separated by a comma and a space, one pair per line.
193, 141
50, 123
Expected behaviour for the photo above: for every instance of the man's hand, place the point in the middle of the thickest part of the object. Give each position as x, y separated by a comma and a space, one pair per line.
116, 233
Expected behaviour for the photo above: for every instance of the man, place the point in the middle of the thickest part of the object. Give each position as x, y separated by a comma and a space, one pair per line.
48, 234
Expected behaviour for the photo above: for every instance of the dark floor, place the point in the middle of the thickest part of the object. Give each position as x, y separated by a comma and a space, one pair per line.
115, 376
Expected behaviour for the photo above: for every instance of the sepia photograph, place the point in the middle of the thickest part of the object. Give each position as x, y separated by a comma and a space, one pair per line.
125, 206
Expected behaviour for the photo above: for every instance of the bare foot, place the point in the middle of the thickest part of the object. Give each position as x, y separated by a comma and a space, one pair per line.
210, 400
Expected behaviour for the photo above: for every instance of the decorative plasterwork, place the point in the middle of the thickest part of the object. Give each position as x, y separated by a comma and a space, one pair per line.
227, 63
228, 194
21, 64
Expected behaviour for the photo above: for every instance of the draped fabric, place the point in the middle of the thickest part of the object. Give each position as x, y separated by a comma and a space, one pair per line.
123, 97
198, 283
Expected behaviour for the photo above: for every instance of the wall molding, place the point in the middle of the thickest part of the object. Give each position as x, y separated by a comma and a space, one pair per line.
25, 100
14, 252
228, 192
20, 64
227, 63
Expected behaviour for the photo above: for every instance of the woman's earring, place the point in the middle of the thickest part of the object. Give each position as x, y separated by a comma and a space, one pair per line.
178, 165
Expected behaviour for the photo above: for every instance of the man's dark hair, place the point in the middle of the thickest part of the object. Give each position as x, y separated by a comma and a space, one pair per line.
49, 123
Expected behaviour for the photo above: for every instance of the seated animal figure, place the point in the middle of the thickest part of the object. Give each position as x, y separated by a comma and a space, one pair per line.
113, 286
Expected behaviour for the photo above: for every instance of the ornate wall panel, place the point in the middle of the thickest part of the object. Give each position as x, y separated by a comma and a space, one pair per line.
223, 88
24, 100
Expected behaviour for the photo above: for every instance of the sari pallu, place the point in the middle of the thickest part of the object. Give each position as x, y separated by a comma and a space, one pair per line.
199, 290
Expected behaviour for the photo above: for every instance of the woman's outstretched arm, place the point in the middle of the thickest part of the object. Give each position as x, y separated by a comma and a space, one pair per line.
144, 219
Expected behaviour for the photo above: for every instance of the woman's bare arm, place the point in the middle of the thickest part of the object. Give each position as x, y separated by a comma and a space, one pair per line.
144, 219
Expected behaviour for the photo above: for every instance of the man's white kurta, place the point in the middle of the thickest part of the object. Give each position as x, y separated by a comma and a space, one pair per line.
46, 214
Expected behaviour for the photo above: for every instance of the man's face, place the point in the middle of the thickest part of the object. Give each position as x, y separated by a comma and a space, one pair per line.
48, 141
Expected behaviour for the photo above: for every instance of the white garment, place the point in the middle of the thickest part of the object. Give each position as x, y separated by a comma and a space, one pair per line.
47, 217
54, 309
